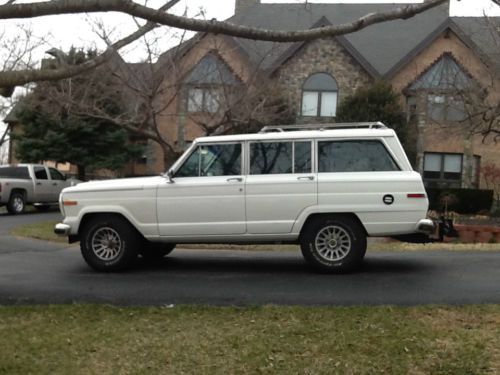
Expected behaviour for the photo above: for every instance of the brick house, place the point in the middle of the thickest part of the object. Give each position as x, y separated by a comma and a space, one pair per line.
430, 59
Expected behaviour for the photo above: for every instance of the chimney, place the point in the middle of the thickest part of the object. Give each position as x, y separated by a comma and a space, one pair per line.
242, 5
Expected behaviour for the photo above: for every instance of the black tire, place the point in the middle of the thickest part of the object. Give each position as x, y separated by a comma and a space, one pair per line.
335, 244
16, 204
154, 251
109, 243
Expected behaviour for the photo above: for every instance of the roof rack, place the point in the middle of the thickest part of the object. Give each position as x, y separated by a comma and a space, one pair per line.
343, 125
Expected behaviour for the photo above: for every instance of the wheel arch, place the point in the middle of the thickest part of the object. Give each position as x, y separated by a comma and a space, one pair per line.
327, 215
89, 216
21, 191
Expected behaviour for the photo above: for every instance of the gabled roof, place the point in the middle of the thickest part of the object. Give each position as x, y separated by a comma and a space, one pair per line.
381, 49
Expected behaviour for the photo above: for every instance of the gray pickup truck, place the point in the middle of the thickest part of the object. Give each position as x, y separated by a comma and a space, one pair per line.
34, 184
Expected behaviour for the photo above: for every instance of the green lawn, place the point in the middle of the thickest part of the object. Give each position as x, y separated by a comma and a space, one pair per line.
90, 339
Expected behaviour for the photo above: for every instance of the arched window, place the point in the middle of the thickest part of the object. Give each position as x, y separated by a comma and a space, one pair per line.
319, 96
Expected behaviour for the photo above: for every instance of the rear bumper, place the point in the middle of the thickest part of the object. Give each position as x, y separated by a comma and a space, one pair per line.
426, 226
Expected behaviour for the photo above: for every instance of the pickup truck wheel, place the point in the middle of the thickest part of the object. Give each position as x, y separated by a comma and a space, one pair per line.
335, 244
109, 244
16, 204
152, 251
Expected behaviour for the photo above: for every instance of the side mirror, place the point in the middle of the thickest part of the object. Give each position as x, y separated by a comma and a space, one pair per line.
170, 175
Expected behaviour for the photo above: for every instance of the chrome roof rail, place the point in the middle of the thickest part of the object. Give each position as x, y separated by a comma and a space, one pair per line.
344, 125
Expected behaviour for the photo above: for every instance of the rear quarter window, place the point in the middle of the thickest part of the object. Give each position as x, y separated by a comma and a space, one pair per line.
354, 156
15, 172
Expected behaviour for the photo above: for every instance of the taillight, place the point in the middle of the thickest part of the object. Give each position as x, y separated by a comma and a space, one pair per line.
415, 195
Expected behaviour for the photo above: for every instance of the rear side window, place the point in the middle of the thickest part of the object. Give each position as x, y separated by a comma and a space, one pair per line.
40, 173
280, 157
354, 156
15, 172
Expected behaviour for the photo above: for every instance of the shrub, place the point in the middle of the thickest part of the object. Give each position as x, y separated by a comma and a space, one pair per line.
463, 201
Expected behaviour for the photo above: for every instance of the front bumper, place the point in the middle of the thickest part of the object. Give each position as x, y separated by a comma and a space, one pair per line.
62, 230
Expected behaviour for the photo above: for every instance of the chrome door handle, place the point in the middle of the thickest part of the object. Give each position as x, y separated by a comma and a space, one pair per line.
234, 179
310, 178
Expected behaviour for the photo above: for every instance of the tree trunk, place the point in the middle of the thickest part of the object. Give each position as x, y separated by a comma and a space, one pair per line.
169, 156
81, 172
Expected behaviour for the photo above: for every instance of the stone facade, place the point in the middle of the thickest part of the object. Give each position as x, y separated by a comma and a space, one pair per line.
321, 56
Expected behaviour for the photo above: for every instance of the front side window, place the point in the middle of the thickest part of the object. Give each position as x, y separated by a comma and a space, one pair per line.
319, 96
280, 157
55, 174
354, 156
212, 160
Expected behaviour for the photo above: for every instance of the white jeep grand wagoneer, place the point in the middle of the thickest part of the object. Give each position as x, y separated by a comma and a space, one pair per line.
325, 187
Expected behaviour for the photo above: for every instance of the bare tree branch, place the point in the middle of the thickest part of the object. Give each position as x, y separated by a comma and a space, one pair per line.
159, 16
10, 79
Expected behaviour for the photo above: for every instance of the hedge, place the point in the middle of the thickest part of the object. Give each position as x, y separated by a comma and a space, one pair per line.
462, 201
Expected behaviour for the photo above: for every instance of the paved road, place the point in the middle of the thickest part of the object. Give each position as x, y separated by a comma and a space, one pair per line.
37, 272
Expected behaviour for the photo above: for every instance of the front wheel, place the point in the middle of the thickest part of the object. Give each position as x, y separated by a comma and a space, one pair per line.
109, 243
16, 204
333, 244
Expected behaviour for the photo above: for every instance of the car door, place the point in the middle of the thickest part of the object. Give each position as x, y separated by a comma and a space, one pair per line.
207, 194
279, 186
43, 185
58, 182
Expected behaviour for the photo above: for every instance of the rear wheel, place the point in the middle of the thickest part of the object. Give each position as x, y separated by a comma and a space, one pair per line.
109, 243
333, 244
16, 204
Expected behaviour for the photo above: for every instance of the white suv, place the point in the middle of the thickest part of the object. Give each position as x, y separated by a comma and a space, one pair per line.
325, 187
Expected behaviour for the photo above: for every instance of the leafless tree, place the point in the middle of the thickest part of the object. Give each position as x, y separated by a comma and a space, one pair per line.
155, 17
156, 94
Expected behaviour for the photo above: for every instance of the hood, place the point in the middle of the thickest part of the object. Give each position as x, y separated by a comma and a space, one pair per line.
137, 183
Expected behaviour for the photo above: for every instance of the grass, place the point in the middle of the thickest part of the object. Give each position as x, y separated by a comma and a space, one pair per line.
45, 231
40, 231
91, 339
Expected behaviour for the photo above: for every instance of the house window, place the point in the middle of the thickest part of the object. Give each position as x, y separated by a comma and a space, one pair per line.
319, 96
204, 99
443, 169
445, 107
207, 83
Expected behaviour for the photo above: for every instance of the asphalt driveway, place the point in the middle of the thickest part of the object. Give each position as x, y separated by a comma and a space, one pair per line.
39, 272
